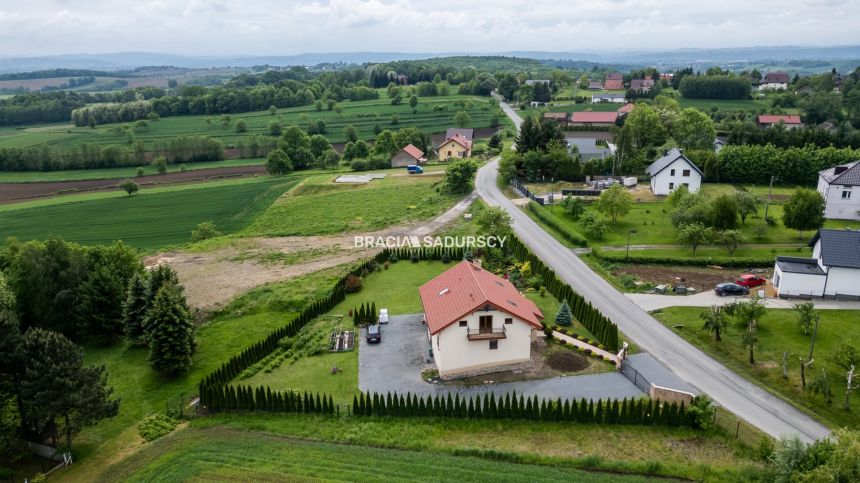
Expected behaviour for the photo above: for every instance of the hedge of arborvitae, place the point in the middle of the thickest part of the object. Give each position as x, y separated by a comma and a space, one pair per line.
595, 322
247, 398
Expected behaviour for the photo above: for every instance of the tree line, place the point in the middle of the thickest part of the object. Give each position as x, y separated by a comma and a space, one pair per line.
715, 87
738, 132
57, 106
757, 163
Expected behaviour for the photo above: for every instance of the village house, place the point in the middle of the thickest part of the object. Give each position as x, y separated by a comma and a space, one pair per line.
595, 85
559, 117
626, 109
593, 119
641, 85
774, 81
457, 146
614, 81
589, 148
719, 144
531, 82
466, 132
674, 170
619, 98
840, 188
770, 120
477, 322
409, 155
833, 271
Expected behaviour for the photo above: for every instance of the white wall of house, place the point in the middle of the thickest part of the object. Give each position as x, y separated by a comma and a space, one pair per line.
674, 176
842, 281
841, 202
454, 353
789, 284
773, 85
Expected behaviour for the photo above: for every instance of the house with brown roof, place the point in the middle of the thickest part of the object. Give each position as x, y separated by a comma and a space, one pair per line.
770, 120
559, 117
775, 81
457, 146
614, 81
595, 85
409, 155
466, 132
477, 322
642, 85
594, 119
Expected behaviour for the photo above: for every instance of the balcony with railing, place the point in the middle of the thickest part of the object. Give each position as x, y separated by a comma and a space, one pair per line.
486, 334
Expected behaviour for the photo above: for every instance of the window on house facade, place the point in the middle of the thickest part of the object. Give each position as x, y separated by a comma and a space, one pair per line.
509, 321
494, 344
671, 186
687, 185
463, 323
449, 153
671, 172
686, 172
846, 195
485, 323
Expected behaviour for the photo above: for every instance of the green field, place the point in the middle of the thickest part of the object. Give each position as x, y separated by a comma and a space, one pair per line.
147, 220
222, 454
364, 115
778, 332
320, 207
115, 173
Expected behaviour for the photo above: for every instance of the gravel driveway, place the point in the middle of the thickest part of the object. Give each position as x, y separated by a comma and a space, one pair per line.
396, 363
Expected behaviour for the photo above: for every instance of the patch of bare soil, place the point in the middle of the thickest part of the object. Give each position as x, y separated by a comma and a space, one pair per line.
700, 278
567, 361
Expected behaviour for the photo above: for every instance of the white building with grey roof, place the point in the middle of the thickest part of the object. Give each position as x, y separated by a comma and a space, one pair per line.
833, 271
672, 171
840, 188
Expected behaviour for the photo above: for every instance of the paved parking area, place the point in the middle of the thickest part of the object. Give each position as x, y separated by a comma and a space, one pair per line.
396, 363
656, 373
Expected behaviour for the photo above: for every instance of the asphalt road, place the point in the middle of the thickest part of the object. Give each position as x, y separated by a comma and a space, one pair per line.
731, 391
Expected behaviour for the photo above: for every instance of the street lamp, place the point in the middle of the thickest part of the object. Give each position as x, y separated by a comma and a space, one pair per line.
629, 232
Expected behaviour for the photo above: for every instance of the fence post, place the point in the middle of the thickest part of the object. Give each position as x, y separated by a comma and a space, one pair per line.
714, 422
738, 431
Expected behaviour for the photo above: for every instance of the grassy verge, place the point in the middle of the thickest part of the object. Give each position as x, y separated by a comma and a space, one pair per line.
778, 333
253, 456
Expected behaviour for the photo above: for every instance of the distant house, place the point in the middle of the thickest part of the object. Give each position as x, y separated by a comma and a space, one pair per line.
619, 98
559, 117
614, 81
674, 170
626, 109
456, 146
407, 156
719, 144
531, 82
775, 81
840, 188
833, 271
477, 322
588, 148
467, 133
828, 126
641, 85
667, 77
593, 118
770, 120
595, 85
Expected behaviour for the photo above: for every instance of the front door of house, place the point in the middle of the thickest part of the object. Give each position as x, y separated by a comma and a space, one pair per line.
485, 323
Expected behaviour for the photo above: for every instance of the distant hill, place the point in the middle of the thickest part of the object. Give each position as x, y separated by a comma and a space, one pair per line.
736, 58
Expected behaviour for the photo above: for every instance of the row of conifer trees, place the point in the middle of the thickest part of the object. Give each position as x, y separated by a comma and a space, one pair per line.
246, 398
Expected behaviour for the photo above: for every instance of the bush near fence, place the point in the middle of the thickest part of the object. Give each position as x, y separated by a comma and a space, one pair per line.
742, 262
551, 222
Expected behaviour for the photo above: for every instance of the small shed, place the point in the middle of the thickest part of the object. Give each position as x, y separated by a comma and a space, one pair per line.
407, 156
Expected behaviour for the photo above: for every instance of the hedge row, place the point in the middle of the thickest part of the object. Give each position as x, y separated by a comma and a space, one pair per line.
550, 221
595, 322
740, 262
246, 398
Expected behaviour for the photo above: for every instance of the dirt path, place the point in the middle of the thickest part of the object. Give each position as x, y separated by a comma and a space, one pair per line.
214, 277
19, 191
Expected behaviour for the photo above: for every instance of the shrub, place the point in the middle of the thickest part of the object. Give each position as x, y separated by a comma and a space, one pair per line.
155, 426
204, 231
353, 284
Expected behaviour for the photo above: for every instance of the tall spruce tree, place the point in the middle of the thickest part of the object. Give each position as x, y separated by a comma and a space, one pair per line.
134, 309
171, 333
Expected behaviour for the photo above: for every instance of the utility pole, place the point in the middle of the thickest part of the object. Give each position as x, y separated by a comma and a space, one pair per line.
769, 190
629, 232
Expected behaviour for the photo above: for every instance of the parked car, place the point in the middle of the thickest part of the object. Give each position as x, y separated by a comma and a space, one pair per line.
749, 280
728, 288
383, 316
374, 334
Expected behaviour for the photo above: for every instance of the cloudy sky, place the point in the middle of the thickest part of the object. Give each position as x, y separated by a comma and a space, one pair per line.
267, 27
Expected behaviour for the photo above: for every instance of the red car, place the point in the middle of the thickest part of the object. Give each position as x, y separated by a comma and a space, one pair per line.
749, 280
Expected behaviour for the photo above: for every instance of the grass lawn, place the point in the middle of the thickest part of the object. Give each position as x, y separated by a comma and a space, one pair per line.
247, 320
147, 220
719, 251
221, 454
779, 332
364, 115
112, 173
321, 207
668, 451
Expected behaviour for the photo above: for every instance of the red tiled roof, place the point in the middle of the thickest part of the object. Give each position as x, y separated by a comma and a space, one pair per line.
461, 140
413, 151
613, 84
594, 117
626, 108
614, 76
776, 78
466, 288
775, 119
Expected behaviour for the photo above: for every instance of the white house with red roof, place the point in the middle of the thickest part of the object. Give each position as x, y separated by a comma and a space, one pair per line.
477, 322
770, 120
